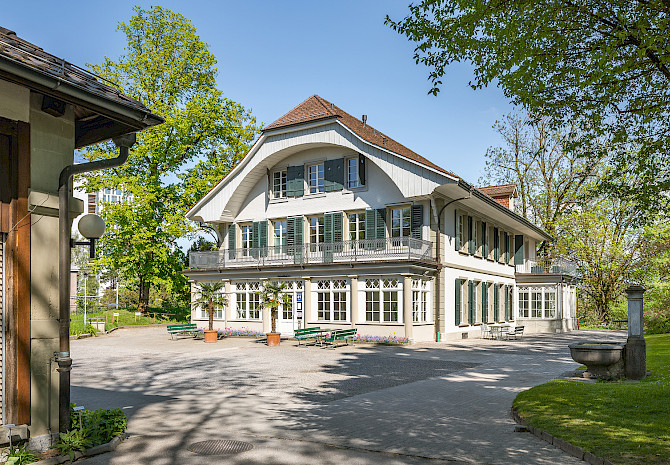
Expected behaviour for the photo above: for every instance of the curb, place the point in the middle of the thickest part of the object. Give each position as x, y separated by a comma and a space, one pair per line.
96, 450
559, 443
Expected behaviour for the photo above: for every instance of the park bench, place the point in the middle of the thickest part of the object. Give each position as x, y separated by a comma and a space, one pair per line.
305, 334
514, 332
184, 329
339, 335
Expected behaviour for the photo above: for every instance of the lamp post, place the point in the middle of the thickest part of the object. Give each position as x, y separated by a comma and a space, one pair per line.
92, 227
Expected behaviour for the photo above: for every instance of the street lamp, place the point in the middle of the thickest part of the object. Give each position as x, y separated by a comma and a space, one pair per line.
92, 227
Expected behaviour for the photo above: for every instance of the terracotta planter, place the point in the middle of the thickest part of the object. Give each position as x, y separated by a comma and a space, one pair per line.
211, 336
273, 339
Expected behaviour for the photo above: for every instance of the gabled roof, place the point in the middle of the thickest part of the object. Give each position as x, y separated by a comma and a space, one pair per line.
509, 190
101, 110
316, 108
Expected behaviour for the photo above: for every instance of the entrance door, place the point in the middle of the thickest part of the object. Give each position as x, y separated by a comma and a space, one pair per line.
290, 319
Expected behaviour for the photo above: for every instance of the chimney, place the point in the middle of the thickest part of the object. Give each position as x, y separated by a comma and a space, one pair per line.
364, 119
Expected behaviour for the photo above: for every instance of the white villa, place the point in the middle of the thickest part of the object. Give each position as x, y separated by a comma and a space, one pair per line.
369, 234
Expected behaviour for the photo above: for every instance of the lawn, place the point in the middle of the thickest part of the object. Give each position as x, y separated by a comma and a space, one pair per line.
126, 318
625, 422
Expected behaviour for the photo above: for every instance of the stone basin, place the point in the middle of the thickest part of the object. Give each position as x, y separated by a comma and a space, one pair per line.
603, 360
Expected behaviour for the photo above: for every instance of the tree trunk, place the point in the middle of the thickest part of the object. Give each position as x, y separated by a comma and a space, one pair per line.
211, 314
143, 303
273, 318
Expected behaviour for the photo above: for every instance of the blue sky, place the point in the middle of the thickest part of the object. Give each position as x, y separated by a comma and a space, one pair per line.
273, 55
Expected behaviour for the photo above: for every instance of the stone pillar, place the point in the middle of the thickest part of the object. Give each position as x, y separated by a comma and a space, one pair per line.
265, 313
307, 302
353, 311
636, 347
230, 303
407, 306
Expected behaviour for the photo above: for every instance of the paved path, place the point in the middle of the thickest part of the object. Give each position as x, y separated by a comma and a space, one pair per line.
428, 403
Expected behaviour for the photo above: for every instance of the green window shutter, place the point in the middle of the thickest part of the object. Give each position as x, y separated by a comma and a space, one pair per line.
457, 303
471, 236
496, 244
263, 237
505, 248
506, 292
338, 227
361, 169
232, 241
370, 224
380, 217
294, 238
485, 242
518, 249
458, 240
255, 235
333, 175
295, 181
417, 221
496, 302
328, 227
298, 220
471, 302
485, 302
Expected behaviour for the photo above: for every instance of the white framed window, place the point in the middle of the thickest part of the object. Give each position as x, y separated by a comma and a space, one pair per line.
315, 178
247, 237
382, 299
357, 227
537, 302
352, 173
292, 287
524, 303
248, 300
218, 308
401, 222
332, 298
549, 304
279, 184
280, 234
316, 230
420, 299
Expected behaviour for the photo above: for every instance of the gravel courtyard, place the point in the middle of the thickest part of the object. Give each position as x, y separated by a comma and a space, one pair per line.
426, 403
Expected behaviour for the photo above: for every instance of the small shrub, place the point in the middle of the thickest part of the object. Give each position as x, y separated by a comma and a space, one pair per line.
656, 321
391, 339
100, 426
24, 455
72, 442
246, 332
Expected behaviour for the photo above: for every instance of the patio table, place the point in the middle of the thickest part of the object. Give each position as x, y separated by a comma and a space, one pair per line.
496, 330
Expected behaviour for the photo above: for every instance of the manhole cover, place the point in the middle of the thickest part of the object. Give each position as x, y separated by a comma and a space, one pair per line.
219, 447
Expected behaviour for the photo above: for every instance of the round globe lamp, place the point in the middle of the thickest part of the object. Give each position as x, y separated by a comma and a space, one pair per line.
91, 226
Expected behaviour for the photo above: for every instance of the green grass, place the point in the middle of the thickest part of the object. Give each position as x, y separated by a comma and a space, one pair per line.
627, 423
126, 318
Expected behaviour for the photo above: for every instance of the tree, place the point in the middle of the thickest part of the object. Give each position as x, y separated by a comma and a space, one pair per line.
601, 238
171, 70
547, 165
272, 296
209, 297
605, 62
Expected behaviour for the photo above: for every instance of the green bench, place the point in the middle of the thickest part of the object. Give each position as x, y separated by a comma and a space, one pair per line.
339, 335
307, 333
184, 329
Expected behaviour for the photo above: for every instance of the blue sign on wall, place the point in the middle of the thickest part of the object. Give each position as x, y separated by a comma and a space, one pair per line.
298, 297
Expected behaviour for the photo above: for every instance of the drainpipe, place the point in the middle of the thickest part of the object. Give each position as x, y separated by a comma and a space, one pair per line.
438, 288
63, 356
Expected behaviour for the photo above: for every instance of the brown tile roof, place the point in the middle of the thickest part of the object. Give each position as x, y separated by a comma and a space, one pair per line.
316, 108
501, 190
28, 55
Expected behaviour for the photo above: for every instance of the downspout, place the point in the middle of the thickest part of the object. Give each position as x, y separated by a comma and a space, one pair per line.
63, 356
438, 288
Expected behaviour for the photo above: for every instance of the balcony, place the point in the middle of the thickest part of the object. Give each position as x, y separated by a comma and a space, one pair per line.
548, 266
347, 252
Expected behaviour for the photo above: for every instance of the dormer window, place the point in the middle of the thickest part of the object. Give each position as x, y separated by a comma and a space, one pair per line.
315, 178
279, 184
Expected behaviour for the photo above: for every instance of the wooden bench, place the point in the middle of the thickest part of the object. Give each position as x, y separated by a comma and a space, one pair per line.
305, 334
336, 335
184, 329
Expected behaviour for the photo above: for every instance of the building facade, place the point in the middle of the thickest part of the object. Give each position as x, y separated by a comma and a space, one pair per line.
365, 232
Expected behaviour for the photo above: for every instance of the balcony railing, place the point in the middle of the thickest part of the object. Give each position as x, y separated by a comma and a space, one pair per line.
400, 248
548, 266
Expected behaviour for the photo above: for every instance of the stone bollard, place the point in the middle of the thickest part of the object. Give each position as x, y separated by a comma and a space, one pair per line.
636, 347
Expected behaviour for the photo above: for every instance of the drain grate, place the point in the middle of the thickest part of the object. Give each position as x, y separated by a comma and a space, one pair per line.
219, 447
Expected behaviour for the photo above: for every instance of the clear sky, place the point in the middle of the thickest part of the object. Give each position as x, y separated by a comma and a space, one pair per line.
274, 54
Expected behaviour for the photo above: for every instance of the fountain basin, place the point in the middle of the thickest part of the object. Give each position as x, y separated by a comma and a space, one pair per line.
603, 360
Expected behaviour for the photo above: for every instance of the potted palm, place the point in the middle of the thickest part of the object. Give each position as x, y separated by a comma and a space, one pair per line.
209, 298
272, 296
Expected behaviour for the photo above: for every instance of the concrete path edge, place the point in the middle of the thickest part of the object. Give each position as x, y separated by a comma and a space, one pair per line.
95, 450
565, 446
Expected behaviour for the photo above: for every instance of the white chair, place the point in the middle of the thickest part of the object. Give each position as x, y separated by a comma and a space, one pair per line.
486, 331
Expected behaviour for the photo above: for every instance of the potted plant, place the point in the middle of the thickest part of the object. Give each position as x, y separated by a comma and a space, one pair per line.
272, 296
209, 296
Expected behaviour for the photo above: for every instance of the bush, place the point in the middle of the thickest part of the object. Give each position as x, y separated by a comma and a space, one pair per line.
100, 426
72, 442
656, 321
23, 455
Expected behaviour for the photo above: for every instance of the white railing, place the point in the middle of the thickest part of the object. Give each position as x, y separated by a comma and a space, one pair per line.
400, 248
548, 266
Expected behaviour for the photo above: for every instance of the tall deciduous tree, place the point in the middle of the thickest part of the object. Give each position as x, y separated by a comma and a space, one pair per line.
606, 62
171, 70
547, 165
